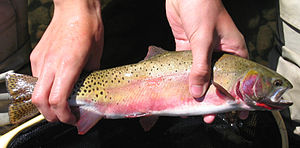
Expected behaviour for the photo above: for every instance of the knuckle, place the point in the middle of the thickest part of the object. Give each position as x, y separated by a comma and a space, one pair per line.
33, 57
200, 75
51, 119
65, 119
200, 71
36, 100
199, 36
54, 102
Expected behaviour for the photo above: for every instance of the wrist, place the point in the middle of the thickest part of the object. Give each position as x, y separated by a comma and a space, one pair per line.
61, 4
78, 12
76, 7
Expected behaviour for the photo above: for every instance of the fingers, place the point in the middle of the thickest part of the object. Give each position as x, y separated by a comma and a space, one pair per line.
192, 33
41, 94
236, 46
201, 68
52, 91
60, 91
71, 43
243, 115
65, 78
209, 118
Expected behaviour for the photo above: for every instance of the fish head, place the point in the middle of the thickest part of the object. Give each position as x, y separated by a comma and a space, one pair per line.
262, 89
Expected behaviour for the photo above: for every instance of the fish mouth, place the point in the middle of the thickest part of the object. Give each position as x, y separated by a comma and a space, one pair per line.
280, 104
276, 101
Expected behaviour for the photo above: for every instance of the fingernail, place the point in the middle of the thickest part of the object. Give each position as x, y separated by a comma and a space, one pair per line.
197, 91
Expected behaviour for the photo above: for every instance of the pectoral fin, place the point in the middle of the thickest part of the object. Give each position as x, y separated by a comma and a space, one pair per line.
221, 91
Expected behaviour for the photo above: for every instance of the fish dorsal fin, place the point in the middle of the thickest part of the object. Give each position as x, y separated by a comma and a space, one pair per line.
148, 122
153, 50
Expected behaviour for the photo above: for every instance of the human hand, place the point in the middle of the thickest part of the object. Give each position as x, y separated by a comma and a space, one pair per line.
72, 42
204, 26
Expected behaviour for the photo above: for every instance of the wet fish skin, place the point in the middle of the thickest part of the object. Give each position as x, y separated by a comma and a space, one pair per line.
158, 85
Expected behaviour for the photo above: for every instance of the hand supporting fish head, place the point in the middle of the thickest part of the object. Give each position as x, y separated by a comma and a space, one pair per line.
262, 89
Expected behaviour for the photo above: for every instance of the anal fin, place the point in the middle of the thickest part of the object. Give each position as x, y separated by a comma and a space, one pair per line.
148, 122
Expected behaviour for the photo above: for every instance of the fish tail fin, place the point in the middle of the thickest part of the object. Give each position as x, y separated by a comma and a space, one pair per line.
20, 88
88, 118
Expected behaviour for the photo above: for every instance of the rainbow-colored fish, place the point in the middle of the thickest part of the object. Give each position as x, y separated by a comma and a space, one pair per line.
158, 86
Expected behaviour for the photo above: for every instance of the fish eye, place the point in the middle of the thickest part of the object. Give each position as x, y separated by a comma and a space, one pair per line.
277, 83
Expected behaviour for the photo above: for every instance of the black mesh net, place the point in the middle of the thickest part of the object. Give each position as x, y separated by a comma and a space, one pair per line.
258, 130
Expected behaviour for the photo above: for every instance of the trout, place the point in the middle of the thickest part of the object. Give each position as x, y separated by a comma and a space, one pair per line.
158, 86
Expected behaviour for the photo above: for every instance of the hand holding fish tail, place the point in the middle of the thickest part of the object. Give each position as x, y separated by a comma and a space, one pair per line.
203, 26
72, 42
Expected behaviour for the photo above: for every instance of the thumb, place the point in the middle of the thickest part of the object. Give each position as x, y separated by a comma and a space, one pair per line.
201, 68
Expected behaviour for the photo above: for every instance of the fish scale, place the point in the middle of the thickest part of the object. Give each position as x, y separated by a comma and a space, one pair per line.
158, 86
120, 76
